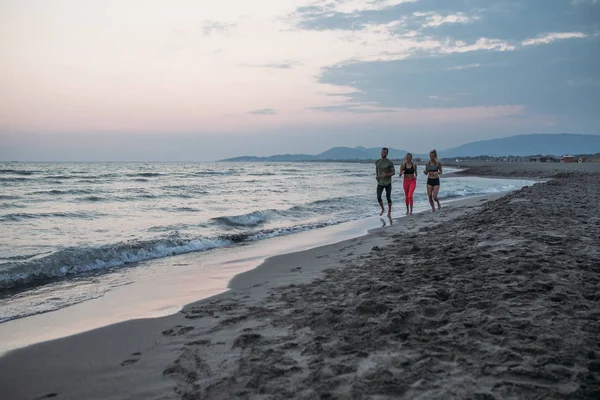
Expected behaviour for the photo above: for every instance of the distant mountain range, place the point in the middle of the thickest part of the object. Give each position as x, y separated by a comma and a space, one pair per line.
520, 145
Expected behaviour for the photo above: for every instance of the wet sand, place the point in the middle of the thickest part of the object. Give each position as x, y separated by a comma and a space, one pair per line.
487, 299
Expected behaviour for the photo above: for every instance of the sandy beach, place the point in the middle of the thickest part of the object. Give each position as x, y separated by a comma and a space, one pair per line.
490, 298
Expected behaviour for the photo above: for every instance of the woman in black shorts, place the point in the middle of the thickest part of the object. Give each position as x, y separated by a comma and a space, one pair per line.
433, 169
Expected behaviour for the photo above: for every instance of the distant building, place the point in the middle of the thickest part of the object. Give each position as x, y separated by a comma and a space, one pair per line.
567, 159
543, 159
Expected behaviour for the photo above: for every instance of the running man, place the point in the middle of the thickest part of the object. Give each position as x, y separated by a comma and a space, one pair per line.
384, 170
410, 182
433, 169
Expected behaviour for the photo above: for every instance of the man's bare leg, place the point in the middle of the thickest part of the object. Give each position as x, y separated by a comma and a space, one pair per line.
382, 209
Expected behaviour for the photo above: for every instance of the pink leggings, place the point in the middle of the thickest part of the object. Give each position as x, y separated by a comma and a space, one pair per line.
409, 188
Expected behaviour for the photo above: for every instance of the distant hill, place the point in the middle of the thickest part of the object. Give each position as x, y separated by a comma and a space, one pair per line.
335, 153
520, 145
525, 145
278, 157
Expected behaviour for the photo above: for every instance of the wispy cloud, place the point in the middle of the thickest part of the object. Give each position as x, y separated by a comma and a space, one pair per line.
551, 37
461, 67
481, 44
283, 65
441, 98
263, 111
433, 19
354, 108
212, 27
351, 6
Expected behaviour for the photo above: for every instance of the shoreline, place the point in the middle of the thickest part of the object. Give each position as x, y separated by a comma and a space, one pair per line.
321, 321
242, 261
108, 347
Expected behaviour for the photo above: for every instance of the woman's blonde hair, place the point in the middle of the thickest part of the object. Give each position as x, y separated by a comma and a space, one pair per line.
435, 156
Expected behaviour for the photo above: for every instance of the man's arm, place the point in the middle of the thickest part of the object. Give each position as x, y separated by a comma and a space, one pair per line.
392, 170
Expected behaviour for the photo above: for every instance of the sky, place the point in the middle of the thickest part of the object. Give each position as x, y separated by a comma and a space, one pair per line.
189, 80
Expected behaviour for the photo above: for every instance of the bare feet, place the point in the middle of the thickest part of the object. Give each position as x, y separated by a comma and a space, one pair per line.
389, 214
381, 213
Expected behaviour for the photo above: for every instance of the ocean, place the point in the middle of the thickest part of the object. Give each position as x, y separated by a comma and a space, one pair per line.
67, 226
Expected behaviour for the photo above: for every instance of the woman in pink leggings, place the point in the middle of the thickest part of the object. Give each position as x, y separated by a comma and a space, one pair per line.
410, 181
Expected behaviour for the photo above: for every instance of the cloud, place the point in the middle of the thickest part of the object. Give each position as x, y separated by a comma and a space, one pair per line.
433, 19
346, 14
283, 65
353, 108
428, 79
461, 67
551, 37
441, 98
211, 27
263, 111
578, 2
481, 44
350, 6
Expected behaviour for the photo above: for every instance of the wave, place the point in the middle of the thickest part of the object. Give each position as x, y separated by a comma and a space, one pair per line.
262, 174
262, 234
12, 205
16, 172
187, 209
14, 179
468, 191
25, 216
56, 192
261, 217
146, 174
58, 177
74, 261
320, 206
8, 197
254, 218
78, 260
203, 173
93, 198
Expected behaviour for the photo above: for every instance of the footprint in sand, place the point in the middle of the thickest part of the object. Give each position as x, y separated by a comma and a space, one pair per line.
135, 357
177, 330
